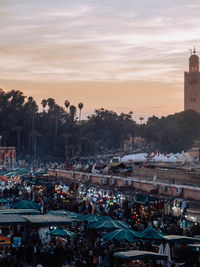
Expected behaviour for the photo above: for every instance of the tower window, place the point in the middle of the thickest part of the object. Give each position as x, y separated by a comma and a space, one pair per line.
193, 82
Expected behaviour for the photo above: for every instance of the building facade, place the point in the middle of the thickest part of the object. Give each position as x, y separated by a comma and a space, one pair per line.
192, 84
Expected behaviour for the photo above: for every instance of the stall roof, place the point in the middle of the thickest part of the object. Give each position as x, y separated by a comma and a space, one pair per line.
181, 239
19, 211
137, 254
12, 219
48, 219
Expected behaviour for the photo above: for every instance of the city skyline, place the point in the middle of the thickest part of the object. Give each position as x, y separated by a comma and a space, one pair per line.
121, 55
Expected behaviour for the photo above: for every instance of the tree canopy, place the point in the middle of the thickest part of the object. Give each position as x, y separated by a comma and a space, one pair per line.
57, 131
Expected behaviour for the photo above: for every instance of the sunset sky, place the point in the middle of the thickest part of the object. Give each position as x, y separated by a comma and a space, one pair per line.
124, 55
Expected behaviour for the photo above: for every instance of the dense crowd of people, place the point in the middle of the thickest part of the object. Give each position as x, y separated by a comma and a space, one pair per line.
87, 248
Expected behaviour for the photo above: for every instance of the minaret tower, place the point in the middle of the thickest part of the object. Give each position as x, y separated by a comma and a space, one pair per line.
192, 84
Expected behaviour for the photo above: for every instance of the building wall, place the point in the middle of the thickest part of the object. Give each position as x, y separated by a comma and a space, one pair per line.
166, 189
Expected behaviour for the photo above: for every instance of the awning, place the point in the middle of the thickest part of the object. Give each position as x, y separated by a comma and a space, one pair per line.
48, 219
26, 204
151, 234
19, 211
181, 239
139, 255
12, 219
195, 247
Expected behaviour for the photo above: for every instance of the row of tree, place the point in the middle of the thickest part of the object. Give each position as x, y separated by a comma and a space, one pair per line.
59, 131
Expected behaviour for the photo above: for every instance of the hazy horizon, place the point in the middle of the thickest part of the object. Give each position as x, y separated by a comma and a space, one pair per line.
122, 55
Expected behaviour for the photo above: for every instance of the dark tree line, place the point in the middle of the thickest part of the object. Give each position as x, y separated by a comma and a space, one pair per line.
59, 132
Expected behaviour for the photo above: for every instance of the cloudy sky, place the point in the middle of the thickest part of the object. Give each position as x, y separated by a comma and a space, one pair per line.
118, 54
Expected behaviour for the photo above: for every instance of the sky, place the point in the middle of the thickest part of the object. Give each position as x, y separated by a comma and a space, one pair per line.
122, 55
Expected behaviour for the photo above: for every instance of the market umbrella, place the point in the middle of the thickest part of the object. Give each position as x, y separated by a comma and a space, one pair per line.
26, 204
61, 232
3, 200
181, 239
121, 235
67, 213
151, 234
140, 255
91, 218
108, 224
58, 212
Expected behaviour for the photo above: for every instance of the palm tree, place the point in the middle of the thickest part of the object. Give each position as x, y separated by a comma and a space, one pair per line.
66, 137
51, 103
34, 135
80, 106
72, 112
57, 111
18, 130
141, 119
67, 104
44, 104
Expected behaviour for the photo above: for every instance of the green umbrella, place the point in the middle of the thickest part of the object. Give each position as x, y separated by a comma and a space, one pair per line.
58, 212
121, 235
108, 224
67, 213
26, 204
3, 200
91, 218
151, 234
61, 232
181, 239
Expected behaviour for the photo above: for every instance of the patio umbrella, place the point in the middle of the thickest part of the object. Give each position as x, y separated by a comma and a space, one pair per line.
151, 234
61, 232
26, 204
108, 224
121, 235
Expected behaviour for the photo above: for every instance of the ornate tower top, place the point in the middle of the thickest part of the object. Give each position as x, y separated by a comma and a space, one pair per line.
194, 62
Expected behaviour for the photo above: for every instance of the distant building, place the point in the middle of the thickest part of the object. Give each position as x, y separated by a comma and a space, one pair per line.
192, 84
195, 151
7, 156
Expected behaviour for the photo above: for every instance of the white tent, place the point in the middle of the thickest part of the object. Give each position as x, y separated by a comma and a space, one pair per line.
140, 157
171, 158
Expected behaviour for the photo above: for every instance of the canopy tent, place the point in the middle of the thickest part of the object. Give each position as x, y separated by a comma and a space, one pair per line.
121, 235
140, 157
108, 224
151, 234
3, 200
67, 213
195, 247
20, 211
91, 218
59, 212
12, 219
61, 232
26, 204
48, 219
181, 239
159, 158
139, 255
